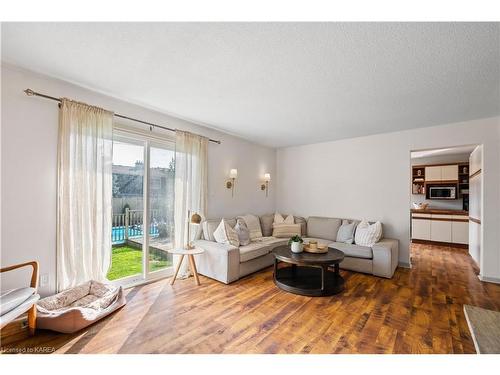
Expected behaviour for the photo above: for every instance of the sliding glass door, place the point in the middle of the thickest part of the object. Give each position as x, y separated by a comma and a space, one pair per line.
143, 208
161, 207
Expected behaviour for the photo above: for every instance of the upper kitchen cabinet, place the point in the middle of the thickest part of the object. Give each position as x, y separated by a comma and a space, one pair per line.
438, 173
449, 172
433, 173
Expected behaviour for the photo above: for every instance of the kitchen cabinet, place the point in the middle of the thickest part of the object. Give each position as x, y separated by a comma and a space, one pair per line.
421, 229
433, 173
440, 229
440, 173
449, 172
459, 231
440, 226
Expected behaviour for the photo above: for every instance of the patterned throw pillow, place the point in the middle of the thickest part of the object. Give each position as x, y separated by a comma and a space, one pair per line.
253, 224
368, 235
243, 232
286, 230
225, 234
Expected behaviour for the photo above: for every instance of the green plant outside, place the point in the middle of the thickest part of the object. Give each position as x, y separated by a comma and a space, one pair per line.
127, 261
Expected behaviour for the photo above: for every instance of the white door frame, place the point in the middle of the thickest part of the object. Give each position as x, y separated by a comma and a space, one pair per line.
146, 142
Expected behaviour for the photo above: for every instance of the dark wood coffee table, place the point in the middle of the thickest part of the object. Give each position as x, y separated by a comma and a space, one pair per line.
308, 274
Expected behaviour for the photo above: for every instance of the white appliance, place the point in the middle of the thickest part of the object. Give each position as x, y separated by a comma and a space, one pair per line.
442, 192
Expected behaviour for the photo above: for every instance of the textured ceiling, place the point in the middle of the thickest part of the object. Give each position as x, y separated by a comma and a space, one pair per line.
278, 84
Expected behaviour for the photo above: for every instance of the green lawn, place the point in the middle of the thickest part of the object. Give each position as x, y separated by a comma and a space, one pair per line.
127, 261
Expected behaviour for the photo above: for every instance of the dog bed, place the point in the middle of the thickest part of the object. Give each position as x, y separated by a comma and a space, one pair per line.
78, 307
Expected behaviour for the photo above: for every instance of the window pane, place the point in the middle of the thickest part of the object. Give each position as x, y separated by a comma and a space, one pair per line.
161, 204
127, 232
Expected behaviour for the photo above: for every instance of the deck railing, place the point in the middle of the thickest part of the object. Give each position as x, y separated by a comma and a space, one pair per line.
130, 224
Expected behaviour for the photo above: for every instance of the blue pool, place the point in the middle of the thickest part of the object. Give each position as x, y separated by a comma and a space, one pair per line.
118, 233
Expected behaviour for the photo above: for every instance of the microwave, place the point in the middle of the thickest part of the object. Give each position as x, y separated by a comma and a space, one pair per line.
442, 192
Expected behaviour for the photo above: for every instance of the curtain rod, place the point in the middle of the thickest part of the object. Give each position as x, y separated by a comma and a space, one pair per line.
30, 92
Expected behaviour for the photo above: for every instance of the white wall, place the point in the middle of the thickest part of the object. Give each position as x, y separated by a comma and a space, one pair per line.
29, 152
366, 177
369, 177
454, 204
475, 186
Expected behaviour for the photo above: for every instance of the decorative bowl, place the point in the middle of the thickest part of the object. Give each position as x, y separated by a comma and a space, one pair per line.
317, 249
420, 206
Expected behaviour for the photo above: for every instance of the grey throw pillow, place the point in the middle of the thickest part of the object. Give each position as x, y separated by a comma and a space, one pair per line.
243, 232
266, 223
346, 232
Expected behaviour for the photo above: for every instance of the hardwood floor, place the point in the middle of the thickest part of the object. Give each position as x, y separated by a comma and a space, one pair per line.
418, 311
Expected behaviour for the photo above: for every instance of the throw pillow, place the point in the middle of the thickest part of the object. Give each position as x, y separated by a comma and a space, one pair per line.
303, 224
346, 232
210, 225
286, 230
368, 235
278, 219
243, 232
266, 224
225, 234
253, 225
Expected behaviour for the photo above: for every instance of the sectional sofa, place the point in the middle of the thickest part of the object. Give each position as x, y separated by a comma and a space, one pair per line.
227, 263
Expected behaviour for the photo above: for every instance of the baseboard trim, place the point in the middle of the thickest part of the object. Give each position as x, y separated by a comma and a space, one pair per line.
489, 279
404, 265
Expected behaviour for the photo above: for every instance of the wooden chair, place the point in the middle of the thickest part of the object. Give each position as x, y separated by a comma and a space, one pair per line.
15, 302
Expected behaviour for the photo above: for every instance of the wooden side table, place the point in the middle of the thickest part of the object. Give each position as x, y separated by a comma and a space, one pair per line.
192, 265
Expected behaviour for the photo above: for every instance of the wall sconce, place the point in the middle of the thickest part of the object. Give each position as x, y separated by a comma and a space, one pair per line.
233, 173
265, 185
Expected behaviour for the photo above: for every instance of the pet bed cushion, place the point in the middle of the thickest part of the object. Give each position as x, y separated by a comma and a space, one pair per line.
78, 307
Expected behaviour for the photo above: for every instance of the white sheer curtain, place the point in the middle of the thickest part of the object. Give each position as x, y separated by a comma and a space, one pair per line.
85, 158
191, 165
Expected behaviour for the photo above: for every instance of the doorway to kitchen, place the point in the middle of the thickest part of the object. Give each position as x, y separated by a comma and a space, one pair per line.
446, 198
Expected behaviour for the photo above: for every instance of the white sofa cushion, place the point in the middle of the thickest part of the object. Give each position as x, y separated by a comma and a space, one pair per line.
353, 251
260, 247
225, 234
254, 250
18, 310
274, 241
303, 225
10, 299
368, 234
323, 227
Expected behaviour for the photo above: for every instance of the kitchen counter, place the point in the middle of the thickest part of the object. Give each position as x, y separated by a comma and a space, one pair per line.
438, 211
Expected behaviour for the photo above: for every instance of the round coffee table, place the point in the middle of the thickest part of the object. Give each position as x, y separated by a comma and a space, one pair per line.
308, 273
